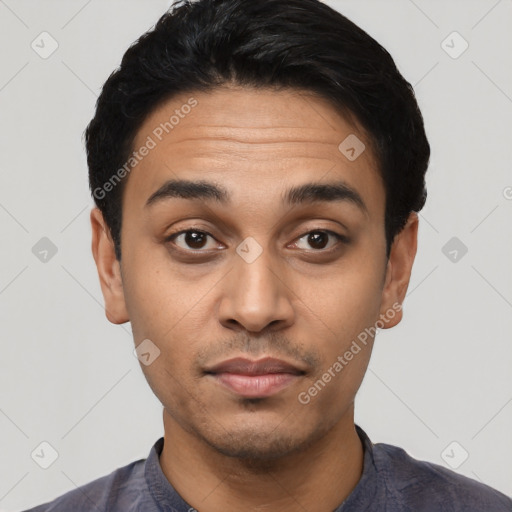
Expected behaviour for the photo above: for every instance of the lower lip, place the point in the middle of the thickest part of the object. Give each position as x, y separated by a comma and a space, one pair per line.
256, 386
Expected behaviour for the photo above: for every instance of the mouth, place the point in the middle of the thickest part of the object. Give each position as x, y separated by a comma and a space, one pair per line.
255, 379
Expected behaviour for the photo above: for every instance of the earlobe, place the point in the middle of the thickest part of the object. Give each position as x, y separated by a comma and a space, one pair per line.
109, 270
398, 272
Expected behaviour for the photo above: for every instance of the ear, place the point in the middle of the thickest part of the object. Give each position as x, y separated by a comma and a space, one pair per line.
398, 272
109, 269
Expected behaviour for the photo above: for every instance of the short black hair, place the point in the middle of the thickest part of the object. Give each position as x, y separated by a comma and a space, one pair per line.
299, 44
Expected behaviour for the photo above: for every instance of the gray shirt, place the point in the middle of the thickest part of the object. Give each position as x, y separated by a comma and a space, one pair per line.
392, 481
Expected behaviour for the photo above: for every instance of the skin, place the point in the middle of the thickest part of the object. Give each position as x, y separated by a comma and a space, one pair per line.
223, 452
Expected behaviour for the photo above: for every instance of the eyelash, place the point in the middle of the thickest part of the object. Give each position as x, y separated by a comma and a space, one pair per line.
342, 239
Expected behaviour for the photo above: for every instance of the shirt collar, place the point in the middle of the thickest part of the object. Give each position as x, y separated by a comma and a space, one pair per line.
365, 493
164, 494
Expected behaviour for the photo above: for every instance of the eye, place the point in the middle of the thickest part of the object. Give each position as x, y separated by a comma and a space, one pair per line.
193, 239
319, 239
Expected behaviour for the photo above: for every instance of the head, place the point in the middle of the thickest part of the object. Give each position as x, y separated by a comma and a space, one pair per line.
257, 167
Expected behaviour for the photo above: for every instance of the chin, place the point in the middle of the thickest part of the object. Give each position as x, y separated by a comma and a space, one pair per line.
267, 443
256, 448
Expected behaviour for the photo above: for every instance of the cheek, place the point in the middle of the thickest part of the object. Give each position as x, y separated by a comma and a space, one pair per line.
168, 310
340, 310
344, 301
168, 385
155, 294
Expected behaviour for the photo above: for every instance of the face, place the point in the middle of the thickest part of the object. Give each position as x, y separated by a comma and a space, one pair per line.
240, 267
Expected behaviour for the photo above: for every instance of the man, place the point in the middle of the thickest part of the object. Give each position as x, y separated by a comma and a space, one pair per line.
258, 166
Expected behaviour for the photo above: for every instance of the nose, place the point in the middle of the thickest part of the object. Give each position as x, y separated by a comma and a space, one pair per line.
255, 295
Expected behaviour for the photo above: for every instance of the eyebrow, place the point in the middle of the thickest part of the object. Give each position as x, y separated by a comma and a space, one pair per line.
299, 194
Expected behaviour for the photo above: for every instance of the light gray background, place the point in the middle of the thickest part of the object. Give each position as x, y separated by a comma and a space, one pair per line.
69, 377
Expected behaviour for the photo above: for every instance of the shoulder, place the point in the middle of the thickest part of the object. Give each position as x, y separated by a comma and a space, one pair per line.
427, 487
121, 488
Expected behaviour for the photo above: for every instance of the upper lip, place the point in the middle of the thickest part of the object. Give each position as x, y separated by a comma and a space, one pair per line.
242, 366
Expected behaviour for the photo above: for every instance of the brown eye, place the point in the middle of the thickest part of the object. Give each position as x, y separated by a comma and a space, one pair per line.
319, 239
191, 239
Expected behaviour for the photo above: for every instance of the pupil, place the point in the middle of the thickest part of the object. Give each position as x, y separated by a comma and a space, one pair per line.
314, 237
192, 237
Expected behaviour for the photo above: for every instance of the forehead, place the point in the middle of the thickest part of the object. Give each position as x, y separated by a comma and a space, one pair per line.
255, 142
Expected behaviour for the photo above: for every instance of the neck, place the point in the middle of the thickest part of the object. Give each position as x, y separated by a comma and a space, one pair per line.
319, 477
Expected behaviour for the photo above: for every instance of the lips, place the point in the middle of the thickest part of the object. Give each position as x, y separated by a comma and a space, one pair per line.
263, 366
255, 379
